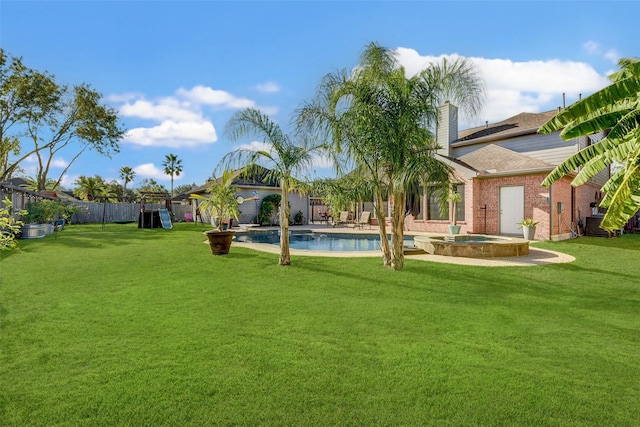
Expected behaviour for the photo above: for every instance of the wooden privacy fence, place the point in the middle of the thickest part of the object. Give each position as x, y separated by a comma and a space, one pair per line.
93, 212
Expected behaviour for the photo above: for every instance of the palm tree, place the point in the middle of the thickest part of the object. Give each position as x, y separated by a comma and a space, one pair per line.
172, 167
221, 202
379, 120
281, 156
127, 175
615, 111
90, 187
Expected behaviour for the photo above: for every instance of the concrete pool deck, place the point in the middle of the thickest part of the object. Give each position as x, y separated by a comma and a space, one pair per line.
536, 256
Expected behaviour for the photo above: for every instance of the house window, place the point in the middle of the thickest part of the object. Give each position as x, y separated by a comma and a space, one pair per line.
418, 200
436, 211
460, 206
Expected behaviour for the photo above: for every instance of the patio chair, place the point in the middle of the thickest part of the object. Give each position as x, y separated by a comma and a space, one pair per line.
342, 219
365, 216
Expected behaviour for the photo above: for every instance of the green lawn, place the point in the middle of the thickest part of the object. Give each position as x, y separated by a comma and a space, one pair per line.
145, 327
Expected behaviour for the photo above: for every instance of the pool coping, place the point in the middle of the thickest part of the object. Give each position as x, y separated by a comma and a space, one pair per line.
536, 256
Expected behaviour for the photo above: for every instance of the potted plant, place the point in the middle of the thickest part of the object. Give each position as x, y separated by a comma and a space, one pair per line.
528, 226
38, 221
222, 205
454, 198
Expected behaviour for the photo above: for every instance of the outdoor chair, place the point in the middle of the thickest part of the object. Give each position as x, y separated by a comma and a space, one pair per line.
342, 219
365, 217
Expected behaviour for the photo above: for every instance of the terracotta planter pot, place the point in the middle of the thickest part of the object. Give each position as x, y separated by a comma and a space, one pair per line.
219, 241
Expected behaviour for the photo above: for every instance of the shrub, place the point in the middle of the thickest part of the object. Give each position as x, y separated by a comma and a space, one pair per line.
9, 226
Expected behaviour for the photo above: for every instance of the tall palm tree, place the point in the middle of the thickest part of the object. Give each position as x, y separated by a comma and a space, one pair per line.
172, 167
127, 175
615, 111
89, 187
379, 119
283, 157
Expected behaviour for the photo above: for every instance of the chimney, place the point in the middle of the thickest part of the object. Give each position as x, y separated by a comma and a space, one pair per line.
446, 127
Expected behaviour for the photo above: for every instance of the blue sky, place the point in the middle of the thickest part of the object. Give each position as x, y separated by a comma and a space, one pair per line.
177, 70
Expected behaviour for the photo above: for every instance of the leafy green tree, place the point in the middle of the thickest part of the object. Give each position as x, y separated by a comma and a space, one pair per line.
342, 193
127, 175
115, 190
615, 111
24, 94
90, 187
32, 185
173, 167
185, 188
378, 121
58, 119
149, 185
282, 156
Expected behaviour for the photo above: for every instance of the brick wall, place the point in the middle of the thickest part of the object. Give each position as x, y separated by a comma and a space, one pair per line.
540, 203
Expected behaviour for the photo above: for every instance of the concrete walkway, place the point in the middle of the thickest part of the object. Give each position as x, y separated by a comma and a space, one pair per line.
536, 256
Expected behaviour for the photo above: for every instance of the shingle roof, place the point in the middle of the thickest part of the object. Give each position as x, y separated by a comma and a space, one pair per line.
498, 159
256, 176
514, 125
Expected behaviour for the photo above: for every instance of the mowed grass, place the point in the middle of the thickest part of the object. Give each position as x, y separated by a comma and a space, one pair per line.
144, 327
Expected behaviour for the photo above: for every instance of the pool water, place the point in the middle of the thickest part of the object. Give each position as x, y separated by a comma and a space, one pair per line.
320, 241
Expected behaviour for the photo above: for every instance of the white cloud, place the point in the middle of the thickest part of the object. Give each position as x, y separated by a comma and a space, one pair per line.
149, 170
612, 55
208, 96
513, 87
180, 119
59, 162
56, 162
594, 48
165, 109
69, 181
255, 146
268, 87
173, 134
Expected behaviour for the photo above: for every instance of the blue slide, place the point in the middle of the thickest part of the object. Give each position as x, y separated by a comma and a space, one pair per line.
165, 219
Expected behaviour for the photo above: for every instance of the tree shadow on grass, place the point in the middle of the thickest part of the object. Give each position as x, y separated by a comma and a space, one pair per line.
626, 242
589, 272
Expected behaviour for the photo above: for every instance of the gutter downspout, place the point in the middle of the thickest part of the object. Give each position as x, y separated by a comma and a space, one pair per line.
550, 211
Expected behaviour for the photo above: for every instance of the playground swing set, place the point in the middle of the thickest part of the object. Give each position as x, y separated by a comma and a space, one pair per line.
151, 218
155, 218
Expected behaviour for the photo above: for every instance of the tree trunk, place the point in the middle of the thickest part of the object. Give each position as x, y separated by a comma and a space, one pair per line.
397, 232
382, 224
285, 256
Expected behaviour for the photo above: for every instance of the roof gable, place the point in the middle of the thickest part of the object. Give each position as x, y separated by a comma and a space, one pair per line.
495, 159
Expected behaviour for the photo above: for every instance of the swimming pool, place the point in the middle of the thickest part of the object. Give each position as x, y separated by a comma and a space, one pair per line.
314, 241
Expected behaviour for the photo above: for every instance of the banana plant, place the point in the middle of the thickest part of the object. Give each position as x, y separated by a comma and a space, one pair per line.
615, 111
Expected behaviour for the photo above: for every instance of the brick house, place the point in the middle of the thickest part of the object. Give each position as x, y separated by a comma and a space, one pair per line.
499, 169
